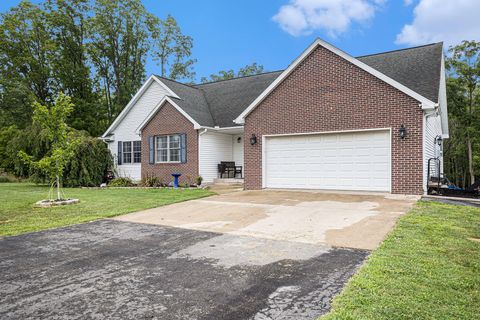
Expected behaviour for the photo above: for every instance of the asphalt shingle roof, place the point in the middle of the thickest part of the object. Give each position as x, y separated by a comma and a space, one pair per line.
228, 98
416, 68
192, 101
219, 103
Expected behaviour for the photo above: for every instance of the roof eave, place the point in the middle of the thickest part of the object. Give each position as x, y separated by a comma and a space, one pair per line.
425, 103
135, 98
154, 111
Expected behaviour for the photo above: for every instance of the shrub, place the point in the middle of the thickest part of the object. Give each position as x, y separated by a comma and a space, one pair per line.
151, 181
5, 179
121, 182
90, 164
87, 168
199, 180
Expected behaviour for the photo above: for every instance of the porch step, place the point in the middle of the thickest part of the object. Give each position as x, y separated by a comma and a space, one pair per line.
228, 181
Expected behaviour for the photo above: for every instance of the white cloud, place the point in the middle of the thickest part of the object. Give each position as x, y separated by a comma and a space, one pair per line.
302, 17
440, 20
407, 2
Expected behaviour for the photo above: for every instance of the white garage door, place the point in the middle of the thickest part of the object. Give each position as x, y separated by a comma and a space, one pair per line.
341, 161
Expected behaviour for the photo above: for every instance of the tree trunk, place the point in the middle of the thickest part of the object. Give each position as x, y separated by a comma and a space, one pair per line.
470, 161
58, 188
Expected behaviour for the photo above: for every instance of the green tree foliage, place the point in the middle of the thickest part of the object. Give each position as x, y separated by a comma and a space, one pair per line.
89, 165
462, 150
25, 62
60, 137
172, 50
92, 50
118, 47
67, 23
248, 70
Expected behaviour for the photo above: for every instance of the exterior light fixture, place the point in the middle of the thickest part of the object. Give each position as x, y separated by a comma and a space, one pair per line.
402, 131
438, 140
253, 139
239, 139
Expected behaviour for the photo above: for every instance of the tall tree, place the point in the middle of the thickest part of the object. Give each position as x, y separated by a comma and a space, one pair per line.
68, 28
172, 50
248, 70
93, 50
118, 47
26, 50
464, 100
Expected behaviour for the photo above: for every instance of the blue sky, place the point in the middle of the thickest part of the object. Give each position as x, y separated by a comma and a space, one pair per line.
231, 34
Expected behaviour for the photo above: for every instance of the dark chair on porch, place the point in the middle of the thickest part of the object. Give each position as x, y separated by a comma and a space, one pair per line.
229, 169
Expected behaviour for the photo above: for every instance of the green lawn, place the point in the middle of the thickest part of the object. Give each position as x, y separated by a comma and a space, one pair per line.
426, 269
17, 214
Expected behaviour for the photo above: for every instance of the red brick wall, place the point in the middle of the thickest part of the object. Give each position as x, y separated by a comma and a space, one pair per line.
169, 121
328, 93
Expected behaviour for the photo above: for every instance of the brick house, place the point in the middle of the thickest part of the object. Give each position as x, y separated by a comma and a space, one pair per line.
328, 121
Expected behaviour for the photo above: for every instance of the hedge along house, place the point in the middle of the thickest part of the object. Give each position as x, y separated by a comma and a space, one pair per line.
329, 121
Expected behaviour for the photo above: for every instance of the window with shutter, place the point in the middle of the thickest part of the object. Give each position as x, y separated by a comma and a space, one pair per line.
168, 148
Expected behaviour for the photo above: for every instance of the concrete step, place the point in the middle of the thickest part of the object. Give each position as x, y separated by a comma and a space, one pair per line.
228, 181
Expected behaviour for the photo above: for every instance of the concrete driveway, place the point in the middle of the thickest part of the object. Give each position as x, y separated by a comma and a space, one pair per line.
353, 220
245, 255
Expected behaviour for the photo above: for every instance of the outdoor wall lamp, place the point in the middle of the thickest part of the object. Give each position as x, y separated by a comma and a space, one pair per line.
253, 139
438, 140
402, 131
239, 139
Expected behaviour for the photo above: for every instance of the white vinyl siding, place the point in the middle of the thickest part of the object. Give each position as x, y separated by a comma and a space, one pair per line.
238, 150
336, 161
213, 148
125, 131
433, 128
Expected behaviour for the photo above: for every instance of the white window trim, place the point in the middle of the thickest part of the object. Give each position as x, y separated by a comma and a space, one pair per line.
125, 153
132, 152
168, 148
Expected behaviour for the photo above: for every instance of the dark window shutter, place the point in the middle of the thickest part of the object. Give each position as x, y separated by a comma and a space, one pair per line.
151, 150
119, 153
183, 148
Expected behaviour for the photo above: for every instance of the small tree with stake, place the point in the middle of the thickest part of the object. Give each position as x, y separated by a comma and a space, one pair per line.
61, 138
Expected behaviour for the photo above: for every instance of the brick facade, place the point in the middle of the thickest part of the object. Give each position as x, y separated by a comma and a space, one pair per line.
169, 121
327, 93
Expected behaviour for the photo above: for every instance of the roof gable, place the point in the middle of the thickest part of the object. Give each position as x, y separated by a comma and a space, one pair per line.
425, 102
159, 106
135, 98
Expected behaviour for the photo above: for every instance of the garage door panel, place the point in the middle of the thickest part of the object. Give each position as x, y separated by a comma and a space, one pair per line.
345, 161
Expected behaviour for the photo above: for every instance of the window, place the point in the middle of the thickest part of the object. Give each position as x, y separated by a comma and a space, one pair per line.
127, 152
137, 151
167, 148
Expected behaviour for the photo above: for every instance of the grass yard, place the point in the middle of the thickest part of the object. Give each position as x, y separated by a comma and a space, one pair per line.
427, 268
17, 214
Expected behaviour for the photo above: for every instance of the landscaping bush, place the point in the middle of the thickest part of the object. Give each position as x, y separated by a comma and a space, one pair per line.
5, 179
87, 168
90, 164
121, 182
151, 181
30, 140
